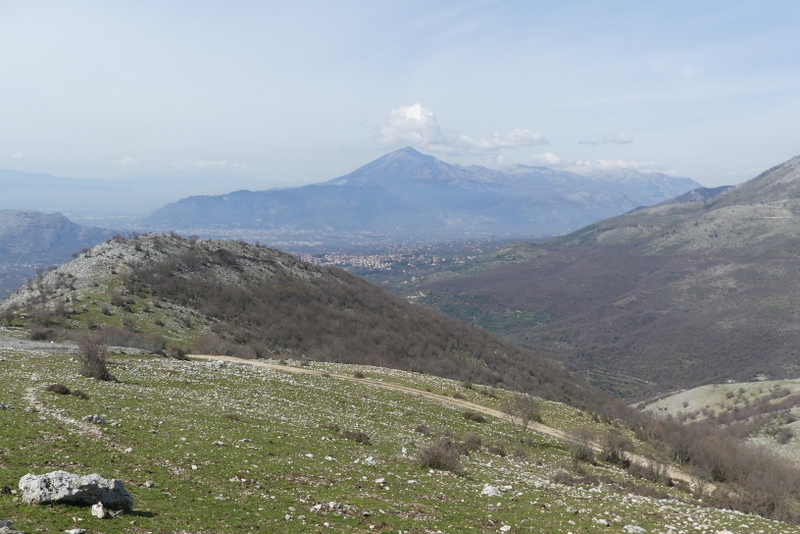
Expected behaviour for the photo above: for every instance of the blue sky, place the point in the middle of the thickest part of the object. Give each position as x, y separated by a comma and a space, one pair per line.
264, 94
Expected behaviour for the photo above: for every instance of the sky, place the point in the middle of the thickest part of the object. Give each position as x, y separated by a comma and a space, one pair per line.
264, 94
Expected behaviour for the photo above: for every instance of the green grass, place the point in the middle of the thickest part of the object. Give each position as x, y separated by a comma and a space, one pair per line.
236, 449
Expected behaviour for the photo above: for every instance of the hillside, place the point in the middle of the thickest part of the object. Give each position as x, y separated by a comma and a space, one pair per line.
217, 447
31, 240
235, 298
408, 196
672, 296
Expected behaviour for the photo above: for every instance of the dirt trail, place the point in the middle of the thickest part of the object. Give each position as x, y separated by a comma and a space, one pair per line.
534, 426
81, 427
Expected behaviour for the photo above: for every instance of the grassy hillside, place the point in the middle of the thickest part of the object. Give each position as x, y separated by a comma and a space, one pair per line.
214, 447
250, 301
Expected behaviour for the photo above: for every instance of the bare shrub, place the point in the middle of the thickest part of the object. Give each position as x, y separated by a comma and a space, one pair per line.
358, 374
357, 435
210, 344
176, 351
423, 429
443, 455
472, 442
521, 410
474, 416
581, 450
58, 388
80, 394
498, 449
92, 353
613, 448
653, 470
42, 334
784, 435
561, 476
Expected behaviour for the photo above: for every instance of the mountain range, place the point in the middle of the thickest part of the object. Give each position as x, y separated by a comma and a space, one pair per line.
409, 196
675, 295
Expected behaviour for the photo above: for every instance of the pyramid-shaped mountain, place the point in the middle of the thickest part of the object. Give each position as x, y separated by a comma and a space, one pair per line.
406, 195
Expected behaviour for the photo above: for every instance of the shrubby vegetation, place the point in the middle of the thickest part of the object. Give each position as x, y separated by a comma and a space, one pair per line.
326, 314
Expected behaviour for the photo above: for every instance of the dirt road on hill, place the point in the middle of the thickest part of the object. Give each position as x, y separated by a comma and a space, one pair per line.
534, 426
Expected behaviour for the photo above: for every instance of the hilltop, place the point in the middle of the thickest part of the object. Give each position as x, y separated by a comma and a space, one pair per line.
173, 294
31, 240
676, 295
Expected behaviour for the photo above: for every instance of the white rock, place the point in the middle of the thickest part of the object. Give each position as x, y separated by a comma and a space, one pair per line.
634, 529
99, 511
64, 487
491, 491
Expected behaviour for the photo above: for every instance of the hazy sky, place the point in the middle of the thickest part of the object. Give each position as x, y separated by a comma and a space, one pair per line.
287, 93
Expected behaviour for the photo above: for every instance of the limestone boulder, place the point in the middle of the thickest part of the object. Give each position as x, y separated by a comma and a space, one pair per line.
65, 487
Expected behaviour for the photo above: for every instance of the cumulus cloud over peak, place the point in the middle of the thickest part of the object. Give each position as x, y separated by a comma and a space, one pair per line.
417, 125
412, 125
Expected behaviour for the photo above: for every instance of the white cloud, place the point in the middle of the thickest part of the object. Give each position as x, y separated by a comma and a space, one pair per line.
417, 126
413, 125
17, 155
548, 158
211, 166
589, 166
517, 138
597, 165
618, 138
128, 161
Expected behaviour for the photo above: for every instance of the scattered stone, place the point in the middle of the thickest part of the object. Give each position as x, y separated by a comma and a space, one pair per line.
634, 529
4, 406
218, 443
128, 450
491, 491
76, 531
369, 460
5, 528
99, 511
64, 487
600, 521
97, 419
505, 528
149, 484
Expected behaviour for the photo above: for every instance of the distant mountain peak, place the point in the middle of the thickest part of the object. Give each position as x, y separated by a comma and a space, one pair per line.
407, 195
